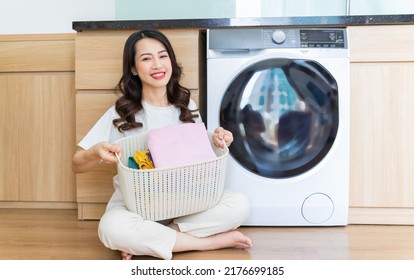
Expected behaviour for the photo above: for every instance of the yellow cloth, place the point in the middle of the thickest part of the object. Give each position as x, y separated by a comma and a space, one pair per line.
142, 159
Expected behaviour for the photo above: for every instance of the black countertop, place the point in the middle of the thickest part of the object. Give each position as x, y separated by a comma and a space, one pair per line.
311, 21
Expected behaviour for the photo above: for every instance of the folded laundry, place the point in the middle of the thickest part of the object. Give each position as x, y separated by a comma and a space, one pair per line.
180, 145
143, 159
132, 163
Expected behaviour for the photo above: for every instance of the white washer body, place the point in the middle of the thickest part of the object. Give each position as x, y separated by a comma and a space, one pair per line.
317, 197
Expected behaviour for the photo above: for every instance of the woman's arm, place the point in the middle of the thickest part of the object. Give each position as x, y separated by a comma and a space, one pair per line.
85, 160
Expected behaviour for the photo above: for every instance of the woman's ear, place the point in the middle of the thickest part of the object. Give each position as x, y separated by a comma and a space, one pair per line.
134, 72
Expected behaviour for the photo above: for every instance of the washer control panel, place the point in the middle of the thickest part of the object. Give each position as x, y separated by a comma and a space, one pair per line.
246, 39
304, 38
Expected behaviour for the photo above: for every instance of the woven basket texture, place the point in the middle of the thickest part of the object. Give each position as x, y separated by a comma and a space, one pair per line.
165, 193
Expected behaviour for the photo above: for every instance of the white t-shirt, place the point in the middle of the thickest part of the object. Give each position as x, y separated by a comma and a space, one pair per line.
151, 117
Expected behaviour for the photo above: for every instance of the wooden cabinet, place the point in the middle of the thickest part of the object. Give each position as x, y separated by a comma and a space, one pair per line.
9, 163
382, 122
98, 70
37, 120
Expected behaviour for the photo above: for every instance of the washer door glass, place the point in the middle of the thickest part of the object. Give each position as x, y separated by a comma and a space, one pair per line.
283, 114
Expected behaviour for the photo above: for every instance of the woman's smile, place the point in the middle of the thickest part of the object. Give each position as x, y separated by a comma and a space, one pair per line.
158, 75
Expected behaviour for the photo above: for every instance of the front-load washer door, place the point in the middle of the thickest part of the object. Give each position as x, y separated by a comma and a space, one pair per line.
283, 114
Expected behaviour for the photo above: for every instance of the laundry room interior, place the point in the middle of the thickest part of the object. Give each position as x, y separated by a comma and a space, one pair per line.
317, 94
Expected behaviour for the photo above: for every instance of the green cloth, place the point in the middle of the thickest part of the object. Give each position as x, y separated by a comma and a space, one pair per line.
132, 163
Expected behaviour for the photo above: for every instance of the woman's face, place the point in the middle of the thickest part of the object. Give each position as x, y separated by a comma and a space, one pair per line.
152, 63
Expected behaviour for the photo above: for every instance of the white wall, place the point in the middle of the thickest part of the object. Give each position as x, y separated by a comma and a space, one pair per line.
51, 16
288, 8
174, 9
380, 7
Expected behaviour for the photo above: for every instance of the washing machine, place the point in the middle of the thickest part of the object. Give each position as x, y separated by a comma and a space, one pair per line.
284, 94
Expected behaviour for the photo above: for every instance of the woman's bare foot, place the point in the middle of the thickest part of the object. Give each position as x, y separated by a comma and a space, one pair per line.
187, 242
230, 239
234, 239
126, 256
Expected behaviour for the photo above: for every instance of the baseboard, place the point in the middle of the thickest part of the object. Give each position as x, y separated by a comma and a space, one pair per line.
90, 211
381, 216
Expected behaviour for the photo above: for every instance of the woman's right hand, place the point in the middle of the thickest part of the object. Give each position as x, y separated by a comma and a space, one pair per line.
85, 160
107, 151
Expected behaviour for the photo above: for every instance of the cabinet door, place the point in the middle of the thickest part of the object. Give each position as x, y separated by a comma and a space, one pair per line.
46, 129
9, 163
382, 133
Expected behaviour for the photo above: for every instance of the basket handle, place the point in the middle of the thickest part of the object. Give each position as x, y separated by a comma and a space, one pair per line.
117, 157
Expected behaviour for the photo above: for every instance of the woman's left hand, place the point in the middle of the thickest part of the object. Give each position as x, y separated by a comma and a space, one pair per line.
221, 134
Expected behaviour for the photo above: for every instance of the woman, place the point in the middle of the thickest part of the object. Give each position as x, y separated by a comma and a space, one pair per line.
152, 97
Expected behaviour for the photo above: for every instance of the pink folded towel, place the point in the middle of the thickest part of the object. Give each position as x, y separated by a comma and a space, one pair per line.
180, 145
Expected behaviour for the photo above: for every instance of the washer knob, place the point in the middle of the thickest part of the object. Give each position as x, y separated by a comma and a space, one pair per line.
279, 37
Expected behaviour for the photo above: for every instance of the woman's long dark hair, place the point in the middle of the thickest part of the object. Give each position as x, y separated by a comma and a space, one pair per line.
129, 86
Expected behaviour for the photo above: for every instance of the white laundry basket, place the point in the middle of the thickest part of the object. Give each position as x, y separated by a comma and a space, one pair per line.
165, 193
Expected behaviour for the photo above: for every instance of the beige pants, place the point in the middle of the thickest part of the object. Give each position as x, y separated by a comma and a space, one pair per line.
120, 229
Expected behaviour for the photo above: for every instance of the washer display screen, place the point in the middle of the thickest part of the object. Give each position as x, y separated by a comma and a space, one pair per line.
283, 114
